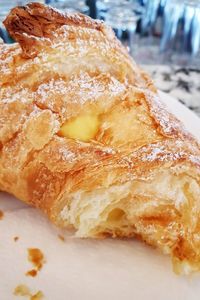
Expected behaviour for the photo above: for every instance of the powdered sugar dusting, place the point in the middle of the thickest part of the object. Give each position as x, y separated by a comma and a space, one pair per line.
53, 87
23, 95
162, 155
66, 154
68, 96
7, 54
167, 122
109, 150
195, 159
167, 151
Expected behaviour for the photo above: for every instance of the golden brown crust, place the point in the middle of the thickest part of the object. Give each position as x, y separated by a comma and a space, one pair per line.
140, 174
39, 21
40, 28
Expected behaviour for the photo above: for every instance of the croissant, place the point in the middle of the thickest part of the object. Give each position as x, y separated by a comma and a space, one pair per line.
85, 138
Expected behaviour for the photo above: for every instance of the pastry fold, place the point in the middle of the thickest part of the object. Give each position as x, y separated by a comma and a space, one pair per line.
136, 175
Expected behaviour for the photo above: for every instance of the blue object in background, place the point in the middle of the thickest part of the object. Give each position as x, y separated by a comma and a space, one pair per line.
5, 36
5, 7
181, 26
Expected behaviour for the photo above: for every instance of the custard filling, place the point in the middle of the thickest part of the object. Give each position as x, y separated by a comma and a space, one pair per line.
83, 128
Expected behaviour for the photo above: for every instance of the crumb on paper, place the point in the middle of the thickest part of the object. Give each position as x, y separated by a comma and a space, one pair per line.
1, 214
31, 273
61, 237
16, 238
39, 295
36, 257
23, 290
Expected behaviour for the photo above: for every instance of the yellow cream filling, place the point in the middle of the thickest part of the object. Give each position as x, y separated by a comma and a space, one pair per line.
82, 128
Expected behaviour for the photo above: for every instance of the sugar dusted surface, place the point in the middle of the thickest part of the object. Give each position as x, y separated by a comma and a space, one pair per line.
63, 94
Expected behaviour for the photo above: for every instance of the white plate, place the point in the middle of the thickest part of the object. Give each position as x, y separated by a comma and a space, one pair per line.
88, 269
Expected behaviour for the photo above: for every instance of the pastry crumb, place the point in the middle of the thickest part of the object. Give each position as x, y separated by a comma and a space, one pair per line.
23, 290
38, 296
31, 273
36, 257
16, 238
61, 237
1, 214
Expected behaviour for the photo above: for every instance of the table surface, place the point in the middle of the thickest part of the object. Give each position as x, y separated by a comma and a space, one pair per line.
182, 83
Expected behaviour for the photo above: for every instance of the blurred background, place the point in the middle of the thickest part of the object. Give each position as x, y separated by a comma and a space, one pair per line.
162, 35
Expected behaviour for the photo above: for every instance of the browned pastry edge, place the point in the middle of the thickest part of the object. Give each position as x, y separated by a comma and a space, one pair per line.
34, 26
27, 23
39, 20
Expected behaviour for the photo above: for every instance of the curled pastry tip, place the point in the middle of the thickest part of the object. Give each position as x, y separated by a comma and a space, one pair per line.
41, 20
30, 24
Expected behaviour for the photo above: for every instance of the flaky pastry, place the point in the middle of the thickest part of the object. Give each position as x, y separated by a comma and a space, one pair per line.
85, 138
